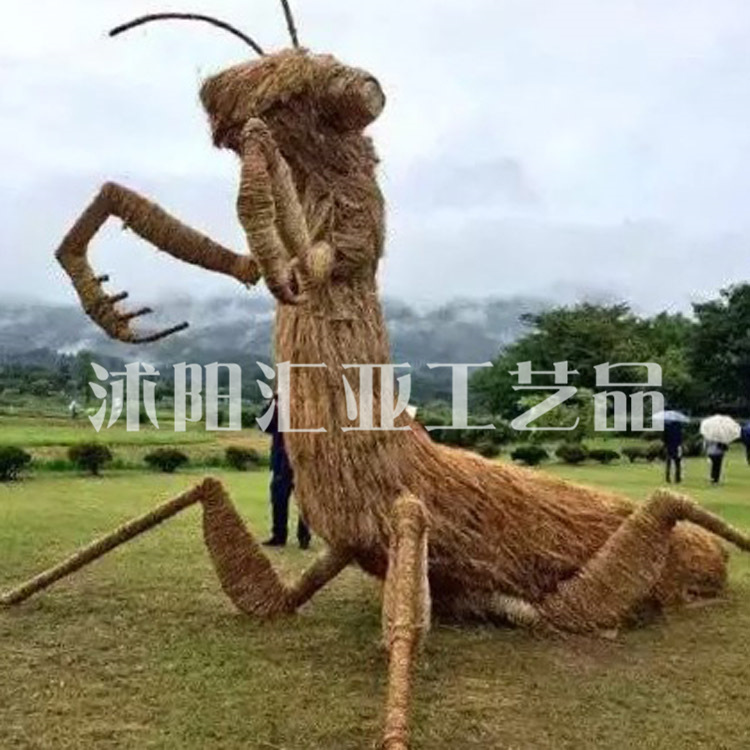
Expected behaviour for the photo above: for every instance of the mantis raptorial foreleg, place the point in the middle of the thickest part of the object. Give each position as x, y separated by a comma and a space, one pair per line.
273, 217
156, 226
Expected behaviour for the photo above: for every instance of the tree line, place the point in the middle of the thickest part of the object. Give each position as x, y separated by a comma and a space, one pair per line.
705, 358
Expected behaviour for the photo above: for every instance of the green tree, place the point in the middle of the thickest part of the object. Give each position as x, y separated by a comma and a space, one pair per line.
720, 351
576, 413
585, 336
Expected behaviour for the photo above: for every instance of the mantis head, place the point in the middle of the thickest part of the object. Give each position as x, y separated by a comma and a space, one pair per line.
342, 98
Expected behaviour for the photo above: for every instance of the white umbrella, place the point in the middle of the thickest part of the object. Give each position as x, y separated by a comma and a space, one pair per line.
721, 429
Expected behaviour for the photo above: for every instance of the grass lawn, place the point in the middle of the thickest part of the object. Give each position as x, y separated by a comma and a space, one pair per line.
48, 439
40, 432
142, 650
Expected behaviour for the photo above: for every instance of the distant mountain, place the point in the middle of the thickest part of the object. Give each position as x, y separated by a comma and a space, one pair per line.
465, 331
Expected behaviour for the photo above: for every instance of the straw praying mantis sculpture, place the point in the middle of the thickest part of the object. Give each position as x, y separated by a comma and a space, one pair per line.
444, 529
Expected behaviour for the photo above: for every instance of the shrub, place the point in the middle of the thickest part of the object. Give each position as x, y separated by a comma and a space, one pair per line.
572, 453
264, 460
655, 452
531, 455
503, 432
488, 449
90, 457
242, 459
633, 453
456, 438
120, 464
249, 416
604, 455
692, 429
167, 460
13, 461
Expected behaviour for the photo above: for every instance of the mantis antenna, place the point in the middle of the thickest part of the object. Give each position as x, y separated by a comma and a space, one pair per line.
290, 22
188, 17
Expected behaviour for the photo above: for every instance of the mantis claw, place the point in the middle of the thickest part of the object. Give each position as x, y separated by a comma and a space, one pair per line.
160, 335
290, 289
285, 293
136, 314
164, 232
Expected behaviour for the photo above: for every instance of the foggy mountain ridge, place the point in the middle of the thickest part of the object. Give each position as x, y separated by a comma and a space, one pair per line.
462, 331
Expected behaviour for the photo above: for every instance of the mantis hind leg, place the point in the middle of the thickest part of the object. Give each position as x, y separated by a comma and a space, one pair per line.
630, 568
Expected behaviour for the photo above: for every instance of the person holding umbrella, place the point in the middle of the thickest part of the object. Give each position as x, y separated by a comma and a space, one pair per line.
673, 421
718, 432
716, 452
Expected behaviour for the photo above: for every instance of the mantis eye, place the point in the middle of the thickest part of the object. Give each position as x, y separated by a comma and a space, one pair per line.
356, 99
373, 97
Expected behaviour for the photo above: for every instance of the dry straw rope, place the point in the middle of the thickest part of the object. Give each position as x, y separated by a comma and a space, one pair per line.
246, 575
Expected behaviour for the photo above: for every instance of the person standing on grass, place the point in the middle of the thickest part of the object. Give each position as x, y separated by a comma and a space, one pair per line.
745, 438
716, 452
673, 448
282, 485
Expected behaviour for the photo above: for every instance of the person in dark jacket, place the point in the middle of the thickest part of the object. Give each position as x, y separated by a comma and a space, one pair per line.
715, 452
745, 438
282, 485
673, 448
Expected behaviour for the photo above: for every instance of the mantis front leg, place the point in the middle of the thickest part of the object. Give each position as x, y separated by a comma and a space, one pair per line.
156, 226
245, 573
406, 613
272, 215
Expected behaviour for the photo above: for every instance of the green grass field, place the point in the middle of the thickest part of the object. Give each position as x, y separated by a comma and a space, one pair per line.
47, 439
142, 650
42, 432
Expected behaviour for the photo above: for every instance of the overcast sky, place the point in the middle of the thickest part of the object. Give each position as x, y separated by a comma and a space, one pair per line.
529, 146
